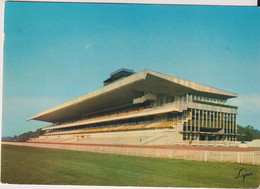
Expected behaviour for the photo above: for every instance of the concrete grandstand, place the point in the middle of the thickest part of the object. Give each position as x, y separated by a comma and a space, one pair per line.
144, 108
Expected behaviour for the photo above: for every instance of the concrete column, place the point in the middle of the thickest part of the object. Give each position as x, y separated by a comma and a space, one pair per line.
210, 121
202, 122
199, 121
224, 125
213, 120
217, 121
229, 122
206, 122
195, 117
235, 120
220, 120
233, 124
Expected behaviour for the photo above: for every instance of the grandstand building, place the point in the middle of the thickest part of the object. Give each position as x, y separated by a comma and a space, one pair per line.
144, 108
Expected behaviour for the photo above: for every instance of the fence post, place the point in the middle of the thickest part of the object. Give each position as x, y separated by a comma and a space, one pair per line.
206, 158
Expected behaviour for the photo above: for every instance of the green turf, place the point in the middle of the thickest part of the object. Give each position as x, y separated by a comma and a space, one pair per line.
28, 165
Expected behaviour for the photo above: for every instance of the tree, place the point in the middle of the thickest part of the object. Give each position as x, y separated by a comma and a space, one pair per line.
26, 136
248, 133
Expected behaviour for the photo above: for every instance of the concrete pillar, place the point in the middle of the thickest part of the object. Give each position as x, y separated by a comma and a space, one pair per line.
223, 121
210, 121
202, 122
236, 122
217, 120
206, 122
213, 121
226, 121
220, 120
229, 123
195, 119
199, 121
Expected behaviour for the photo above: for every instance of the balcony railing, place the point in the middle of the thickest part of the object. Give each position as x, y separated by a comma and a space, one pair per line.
214, 104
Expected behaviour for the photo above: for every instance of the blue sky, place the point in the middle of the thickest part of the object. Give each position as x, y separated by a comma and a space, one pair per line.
54, 52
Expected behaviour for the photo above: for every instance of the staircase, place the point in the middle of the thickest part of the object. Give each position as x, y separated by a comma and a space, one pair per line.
179, 123
147, 96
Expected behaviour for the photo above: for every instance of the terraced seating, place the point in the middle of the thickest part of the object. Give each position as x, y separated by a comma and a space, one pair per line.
114, 129
166, 125
145, 126
114, 115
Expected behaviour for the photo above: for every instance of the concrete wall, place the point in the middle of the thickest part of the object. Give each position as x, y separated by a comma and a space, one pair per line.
145, 137
254, 143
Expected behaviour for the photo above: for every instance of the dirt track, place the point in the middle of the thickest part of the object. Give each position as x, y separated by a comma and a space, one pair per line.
179, 147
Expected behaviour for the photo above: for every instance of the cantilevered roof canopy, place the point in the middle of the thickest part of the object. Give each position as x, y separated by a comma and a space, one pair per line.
124, 91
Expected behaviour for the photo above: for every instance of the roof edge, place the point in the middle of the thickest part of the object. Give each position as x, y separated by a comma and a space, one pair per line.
113, 86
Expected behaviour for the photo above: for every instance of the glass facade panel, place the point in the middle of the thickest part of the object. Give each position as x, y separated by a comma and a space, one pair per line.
210, 122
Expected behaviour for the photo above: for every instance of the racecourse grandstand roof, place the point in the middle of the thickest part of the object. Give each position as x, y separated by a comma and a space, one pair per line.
124, 91
118, 74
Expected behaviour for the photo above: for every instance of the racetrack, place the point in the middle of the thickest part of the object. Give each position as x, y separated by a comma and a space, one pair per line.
199, 153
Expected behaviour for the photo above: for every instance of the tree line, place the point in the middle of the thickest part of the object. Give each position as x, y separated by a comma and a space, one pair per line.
248, 133
25, 136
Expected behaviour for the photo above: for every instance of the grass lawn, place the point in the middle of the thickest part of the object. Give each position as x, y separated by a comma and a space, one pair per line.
28, 165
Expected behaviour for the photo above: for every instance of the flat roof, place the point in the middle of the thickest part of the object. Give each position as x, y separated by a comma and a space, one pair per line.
121, 70
123, 92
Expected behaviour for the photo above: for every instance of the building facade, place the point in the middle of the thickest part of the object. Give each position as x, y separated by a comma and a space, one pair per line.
144, 108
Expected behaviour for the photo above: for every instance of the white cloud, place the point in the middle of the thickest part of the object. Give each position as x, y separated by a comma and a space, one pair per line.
247, 102
87, 46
